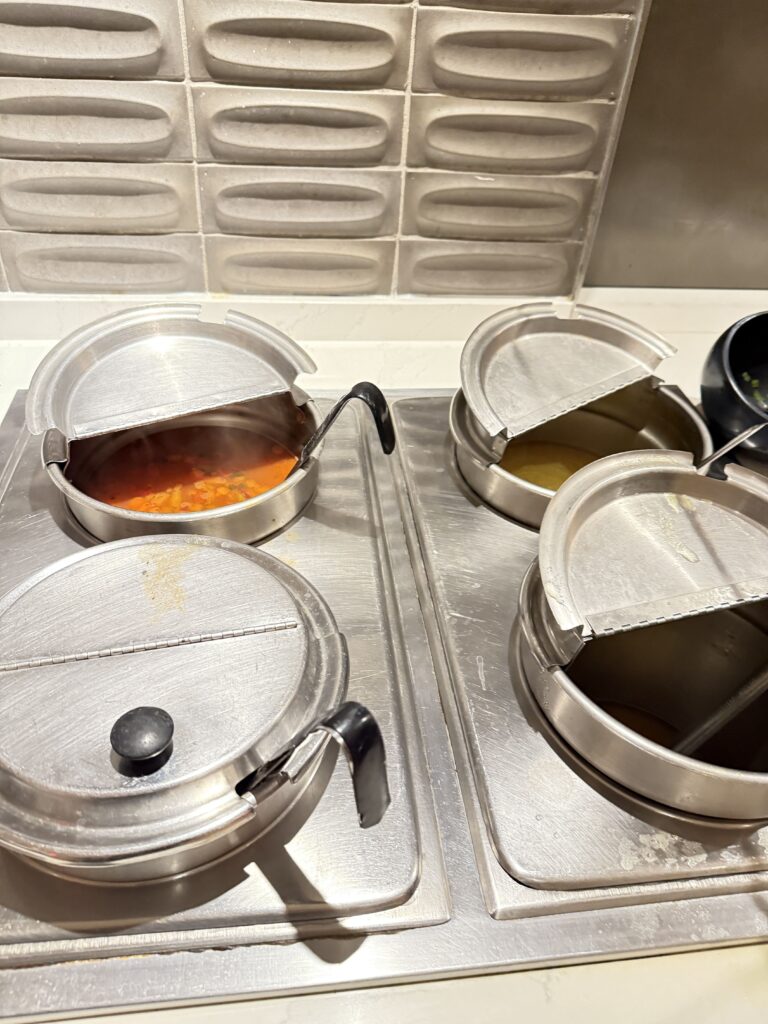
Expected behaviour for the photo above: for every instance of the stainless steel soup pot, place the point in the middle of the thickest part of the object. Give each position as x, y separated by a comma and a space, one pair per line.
161, 367
276, 418
650, 594
183, 721
676, 672
564, 374
647, 414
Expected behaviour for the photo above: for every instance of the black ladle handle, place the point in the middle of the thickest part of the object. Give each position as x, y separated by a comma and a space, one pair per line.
382, 417
357, 732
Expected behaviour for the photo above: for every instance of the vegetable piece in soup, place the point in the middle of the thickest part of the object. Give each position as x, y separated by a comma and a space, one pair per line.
190, 469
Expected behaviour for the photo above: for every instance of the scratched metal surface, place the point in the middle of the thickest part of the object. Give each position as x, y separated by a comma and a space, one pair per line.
545, 826
329, 871
549, 927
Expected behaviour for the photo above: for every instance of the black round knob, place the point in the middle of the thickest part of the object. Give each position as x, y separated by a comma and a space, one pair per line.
142, 740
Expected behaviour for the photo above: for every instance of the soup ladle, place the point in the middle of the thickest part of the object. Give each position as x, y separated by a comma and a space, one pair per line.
376, 402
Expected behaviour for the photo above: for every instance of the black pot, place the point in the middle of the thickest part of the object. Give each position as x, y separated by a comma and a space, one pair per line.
734, 385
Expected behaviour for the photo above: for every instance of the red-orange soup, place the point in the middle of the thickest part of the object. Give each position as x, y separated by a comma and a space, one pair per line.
190, 469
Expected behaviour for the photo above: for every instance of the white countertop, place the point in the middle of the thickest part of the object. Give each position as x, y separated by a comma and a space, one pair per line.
397, 343
408, 343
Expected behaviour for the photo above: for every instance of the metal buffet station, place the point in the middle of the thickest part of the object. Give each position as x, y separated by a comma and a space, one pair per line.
552, 736
383, 510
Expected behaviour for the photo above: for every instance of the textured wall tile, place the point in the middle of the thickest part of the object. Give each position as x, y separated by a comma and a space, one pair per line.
443, 204
515, 138
55, 119
96, 39
541, 6
265, 126
299, 114
518, 56
297, 44
299, 203
92, 197
486, 268
102, 263
293, 267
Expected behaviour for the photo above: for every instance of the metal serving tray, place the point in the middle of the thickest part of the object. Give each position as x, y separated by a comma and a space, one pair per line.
559, 842
453, 901
331, 874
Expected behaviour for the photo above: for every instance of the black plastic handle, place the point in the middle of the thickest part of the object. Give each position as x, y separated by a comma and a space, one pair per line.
376, 402
357, 732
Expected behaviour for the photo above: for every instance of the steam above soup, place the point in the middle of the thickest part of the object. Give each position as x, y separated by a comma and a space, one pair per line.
189, 469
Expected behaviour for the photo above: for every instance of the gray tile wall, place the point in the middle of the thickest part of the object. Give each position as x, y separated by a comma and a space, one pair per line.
307, 147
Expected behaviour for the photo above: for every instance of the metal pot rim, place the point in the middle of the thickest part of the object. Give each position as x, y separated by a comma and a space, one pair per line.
69, 490
675, 760
470, 446
464, 440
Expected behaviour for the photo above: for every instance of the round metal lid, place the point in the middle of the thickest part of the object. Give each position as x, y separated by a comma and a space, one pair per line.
156, 363
643, 537
235, 648
528, 365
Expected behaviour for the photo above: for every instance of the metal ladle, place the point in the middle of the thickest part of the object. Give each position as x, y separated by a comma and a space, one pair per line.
757, 684
704, 465
747, 694
375, 401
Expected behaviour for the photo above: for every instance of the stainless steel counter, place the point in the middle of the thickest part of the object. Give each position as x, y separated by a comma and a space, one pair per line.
301, 919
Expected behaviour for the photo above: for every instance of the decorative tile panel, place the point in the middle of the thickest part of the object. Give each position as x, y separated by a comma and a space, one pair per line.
308, 147
55, 119
93, 39
297, 202
500, 207
102, 263
298, 128
290, 266
97, 198
299, 43
485, 268
519, 56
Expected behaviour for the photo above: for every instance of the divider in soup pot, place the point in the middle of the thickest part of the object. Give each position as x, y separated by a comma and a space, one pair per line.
643, 629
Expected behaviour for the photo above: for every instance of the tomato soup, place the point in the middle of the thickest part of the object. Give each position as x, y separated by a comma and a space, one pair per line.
190, 469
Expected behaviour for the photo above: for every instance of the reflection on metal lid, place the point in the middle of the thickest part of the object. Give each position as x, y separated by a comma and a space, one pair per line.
156, 363
528, 365
640, 538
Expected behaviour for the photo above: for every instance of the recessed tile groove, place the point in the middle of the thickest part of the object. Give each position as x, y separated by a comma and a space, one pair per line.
316, 147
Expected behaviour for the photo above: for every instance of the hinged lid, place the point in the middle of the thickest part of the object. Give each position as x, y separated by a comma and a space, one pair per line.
528, 365
156, 363
642, 537
238, 649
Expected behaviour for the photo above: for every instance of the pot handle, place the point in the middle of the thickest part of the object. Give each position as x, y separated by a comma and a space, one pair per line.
55, 448
357, 732
376, 402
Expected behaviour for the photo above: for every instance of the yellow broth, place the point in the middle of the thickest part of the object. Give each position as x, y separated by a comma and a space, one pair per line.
544, 463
